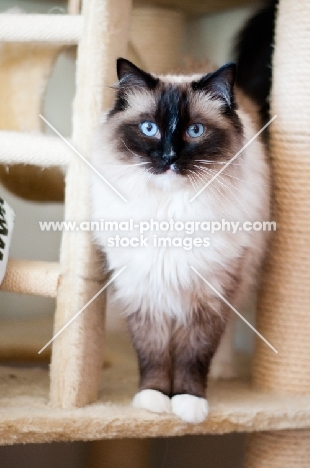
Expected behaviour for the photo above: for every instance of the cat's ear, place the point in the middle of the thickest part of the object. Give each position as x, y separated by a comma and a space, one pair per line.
130, 75
219, 84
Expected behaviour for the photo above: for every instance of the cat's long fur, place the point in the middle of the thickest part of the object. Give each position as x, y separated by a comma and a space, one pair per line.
175, 319
253, 55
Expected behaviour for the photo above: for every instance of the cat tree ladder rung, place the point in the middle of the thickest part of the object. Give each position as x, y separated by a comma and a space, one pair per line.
28, 148
30, 277
56, 29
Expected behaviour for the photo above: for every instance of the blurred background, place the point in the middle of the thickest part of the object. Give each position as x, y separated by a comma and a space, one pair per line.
209, 36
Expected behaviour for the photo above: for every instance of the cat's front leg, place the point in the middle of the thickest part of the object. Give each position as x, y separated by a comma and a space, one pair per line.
194, 345
224, 364
151, 341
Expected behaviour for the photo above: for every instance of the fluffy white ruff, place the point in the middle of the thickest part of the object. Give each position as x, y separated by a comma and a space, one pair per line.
190, 408
152, 400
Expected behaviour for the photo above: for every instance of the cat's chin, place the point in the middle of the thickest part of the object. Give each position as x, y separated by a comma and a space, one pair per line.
168, 181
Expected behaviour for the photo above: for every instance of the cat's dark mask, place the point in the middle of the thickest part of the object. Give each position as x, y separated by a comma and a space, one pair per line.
188, 122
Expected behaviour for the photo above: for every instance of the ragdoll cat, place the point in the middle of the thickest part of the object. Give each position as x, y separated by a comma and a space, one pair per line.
165, 138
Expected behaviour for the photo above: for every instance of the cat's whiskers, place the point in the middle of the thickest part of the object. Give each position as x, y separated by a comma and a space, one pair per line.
245, 181
203, 173
201, 168
231, 184
128, 165
223, 178
234, 177
193, 182
206, 179
229, 190
194, 178
234, 195
220, 198
199, 175
198, 172
117, 168
205, 161
213, 190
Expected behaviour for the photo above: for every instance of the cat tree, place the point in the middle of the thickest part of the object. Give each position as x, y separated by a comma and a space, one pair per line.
275, 409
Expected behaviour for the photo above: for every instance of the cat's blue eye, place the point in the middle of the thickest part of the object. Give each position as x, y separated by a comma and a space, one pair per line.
195, 130
149, 129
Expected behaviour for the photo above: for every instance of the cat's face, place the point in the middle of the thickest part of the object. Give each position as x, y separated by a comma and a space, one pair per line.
173, 126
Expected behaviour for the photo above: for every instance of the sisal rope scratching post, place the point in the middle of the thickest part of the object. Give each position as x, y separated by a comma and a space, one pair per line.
31, 277
156, 39
280, 449
283, 316
77, 355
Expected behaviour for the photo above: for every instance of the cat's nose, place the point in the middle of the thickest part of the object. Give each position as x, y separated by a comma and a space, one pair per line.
170, 156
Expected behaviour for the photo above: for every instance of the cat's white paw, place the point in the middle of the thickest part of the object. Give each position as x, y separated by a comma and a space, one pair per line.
190, 408
152, 400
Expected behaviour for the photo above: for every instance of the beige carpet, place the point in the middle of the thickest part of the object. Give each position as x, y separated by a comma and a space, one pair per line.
25, 414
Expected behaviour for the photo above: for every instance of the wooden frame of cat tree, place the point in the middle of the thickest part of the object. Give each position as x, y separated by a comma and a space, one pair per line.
276, 408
